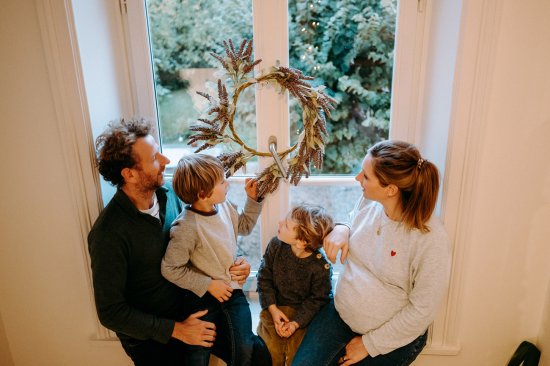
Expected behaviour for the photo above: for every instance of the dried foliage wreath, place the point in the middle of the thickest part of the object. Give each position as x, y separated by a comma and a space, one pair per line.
316, 107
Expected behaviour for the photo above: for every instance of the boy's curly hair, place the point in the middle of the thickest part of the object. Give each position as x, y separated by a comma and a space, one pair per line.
312, 225
114, 147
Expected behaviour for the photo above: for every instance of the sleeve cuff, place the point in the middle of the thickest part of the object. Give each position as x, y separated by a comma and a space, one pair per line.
369, 346
165, 331
346, 224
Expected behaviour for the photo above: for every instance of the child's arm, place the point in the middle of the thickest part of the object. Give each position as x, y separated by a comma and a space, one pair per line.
266, 288
176, 266
220, 290
280, 320
252, 208
289, 328
320, 293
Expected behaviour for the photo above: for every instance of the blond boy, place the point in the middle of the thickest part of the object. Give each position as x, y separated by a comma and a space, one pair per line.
202, 248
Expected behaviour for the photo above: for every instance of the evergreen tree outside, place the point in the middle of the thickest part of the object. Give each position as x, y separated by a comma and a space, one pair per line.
347, 45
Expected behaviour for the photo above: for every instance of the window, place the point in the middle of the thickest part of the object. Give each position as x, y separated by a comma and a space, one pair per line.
349, 49
411, 77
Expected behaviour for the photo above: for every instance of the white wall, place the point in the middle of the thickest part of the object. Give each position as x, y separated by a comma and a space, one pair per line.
45, 305
506, 261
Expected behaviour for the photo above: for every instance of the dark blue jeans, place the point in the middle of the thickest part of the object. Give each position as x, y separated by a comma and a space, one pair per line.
235, 342
328, 335
152, 353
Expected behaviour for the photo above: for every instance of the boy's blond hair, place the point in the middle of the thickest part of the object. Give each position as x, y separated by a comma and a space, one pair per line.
312, 225
196, 176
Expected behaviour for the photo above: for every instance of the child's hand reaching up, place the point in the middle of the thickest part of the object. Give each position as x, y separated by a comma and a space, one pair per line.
251, 188
279, 319
220, 290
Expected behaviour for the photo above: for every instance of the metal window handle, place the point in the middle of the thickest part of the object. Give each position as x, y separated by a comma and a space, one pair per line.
272, 142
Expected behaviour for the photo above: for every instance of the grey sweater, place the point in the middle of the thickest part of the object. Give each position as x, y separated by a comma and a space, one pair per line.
393, 280
203, 246
301, 283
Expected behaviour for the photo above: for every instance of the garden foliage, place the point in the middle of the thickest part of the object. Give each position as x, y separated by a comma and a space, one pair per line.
347, 45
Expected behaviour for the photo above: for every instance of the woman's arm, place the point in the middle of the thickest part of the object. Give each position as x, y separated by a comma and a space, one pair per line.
337, 240
430, 278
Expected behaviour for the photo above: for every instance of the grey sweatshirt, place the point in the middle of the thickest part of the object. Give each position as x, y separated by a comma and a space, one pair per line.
393, 280
202, 247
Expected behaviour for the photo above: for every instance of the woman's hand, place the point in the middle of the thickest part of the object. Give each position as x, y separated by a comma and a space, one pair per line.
240, 270
337, 240
355, 352
279, 319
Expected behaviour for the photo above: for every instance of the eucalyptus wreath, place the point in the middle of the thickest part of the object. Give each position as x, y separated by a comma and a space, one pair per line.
220, 129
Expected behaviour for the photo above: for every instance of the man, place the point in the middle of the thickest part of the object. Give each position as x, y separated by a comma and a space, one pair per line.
127, 243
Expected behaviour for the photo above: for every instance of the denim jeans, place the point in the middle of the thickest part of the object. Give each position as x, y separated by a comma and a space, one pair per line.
235, 343
152, 353
328, 335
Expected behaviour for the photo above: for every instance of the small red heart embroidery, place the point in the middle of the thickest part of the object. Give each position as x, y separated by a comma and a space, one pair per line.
393, 253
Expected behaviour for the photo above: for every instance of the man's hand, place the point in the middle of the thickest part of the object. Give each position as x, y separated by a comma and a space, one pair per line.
337, 240
251, 188
355, 352
240, 270
279, 319
194, 331
220, 290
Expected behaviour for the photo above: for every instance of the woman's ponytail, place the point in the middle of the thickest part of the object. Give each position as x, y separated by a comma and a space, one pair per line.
400, 163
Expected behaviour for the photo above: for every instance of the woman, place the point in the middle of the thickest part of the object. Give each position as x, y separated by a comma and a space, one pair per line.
397, 267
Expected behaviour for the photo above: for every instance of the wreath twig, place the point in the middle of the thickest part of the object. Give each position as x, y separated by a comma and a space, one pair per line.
315, 104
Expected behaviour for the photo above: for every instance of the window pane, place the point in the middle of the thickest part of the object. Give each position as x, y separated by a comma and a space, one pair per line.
337, 200
348, 46
183, 33
249, 245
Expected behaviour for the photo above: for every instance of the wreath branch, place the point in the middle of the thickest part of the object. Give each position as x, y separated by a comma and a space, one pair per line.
316, 107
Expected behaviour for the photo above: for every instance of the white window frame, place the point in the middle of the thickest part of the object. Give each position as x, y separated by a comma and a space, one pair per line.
271, 45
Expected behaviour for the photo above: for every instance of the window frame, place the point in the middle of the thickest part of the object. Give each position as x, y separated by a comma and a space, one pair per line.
270, 30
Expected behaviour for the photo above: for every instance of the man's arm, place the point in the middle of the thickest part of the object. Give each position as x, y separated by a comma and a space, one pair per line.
109, 261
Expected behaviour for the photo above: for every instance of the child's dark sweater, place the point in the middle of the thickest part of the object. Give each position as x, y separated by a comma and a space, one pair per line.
286, 280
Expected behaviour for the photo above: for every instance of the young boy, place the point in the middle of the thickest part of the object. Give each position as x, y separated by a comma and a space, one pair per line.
294, 281
202, 248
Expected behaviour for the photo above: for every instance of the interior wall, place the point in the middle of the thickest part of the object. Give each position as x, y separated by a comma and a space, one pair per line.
506, 272
46, 307
5, 353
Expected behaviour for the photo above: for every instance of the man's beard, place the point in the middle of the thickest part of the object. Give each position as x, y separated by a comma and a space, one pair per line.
149, 183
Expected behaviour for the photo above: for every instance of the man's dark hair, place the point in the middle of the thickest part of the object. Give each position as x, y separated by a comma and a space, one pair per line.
114, 147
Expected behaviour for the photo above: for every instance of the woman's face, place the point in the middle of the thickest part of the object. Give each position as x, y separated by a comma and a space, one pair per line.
369, 182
